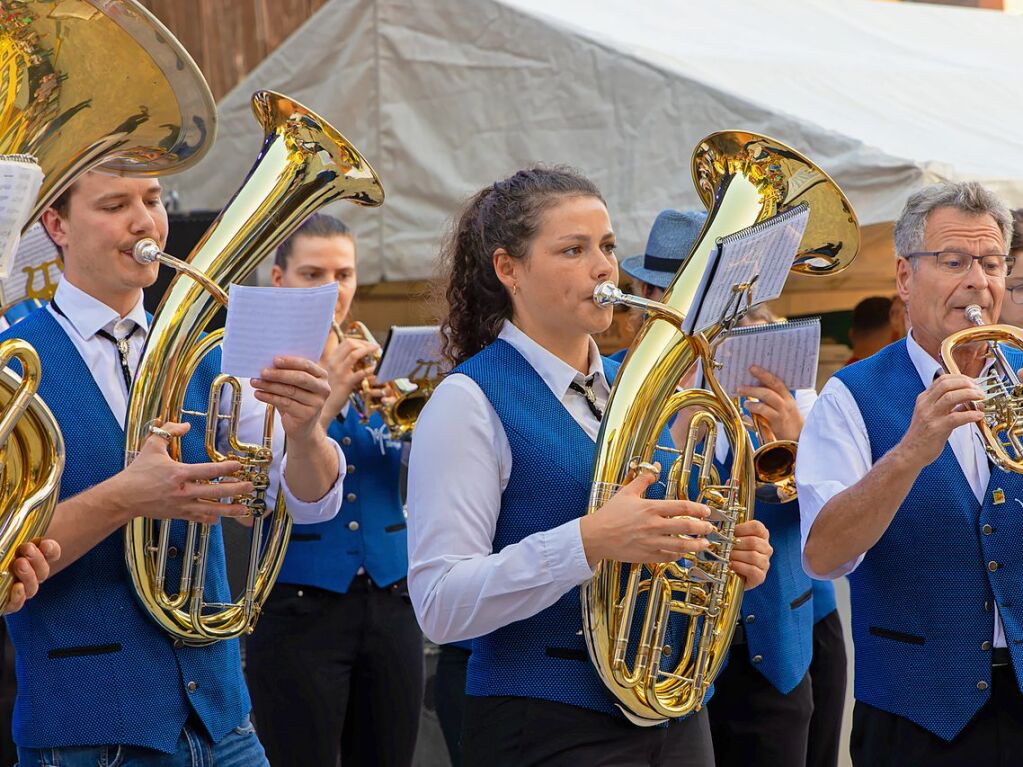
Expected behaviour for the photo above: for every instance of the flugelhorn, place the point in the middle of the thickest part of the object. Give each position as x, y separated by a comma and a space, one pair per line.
774, 464
743, 178
145, 111
304, 163
1002, 406
407, 397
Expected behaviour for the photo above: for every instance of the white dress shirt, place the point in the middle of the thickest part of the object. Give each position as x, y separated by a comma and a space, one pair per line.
84, 315
460, 465
834, 454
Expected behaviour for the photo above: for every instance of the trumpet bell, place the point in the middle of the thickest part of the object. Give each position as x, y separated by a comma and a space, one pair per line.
64, 108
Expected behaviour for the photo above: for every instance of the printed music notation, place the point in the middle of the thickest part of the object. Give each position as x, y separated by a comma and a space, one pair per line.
760, 255
787, 349
35, 269
20, 181
263, 323
411, 352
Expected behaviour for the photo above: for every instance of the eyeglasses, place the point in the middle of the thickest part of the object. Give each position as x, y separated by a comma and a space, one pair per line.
954, 262
1016, 294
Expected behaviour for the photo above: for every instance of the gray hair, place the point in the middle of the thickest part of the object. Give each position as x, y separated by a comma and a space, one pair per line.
966, 196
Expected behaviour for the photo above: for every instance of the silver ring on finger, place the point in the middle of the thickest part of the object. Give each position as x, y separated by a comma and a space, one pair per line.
160, 432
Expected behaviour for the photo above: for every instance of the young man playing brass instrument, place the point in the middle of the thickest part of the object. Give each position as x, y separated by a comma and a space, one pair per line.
98, 681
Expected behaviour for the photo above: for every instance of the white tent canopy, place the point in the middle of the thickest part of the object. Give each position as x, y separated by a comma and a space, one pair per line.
445, 96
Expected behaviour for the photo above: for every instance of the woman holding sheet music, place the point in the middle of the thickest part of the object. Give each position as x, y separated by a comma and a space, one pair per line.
338, 648
500, 476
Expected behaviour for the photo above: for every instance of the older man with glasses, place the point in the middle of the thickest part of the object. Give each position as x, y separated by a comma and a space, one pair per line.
896, 492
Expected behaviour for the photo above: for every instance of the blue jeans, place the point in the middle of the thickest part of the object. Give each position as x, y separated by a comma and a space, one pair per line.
240, 748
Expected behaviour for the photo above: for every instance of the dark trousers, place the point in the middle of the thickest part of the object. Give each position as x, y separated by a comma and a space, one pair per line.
993, 738
523, 732
449, 697
828, 673
752, 723
337, 673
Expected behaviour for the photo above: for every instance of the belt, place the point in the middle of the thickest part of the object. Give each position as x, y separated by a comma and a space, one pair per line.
1000, 657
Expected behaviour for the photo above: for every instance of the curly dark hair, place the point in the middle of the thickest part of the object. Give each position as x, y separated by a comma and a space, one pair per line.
506, 215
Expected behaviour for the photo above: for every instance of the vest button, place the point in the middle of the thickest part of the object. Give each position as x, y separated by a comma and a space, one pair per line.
353, 525
992, 565
346, 441
987, 529
758, 658
300, 593
179, 643
192, 686
666, 650
750, 618
985, 646
351, 468
981, 685
172, 552
351, 497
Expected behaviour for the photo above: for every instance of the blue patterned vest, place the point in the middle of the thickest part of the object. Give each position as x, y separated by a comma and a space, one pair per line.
922, 598
777, 616
543, 656
369, 530
92, 667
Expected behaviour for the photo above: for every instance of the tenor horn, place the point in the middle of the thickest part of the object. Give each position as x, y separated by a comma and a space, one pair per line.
82, 83
743, 178
304, 163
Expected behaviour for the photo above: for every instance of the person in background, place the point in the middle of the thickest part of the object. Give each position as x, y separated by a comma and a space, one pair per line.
1012, 306
871, 328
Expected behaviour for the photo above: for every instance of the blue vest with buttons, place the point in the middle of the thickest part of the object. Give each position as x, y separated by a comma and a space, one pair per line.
369, 530
823, 600
922, 597
92, 667
552, 457
777, 616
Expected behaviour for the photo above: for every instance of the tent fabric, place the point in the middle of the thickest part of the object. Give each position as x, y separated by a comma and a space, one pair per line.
445, 96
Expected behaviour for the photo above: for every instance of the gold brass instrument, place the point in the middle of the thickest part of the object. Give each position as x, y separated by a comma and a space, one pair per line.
409, 395
743, 178
1002, 406
304, 163
774, 464
144, 110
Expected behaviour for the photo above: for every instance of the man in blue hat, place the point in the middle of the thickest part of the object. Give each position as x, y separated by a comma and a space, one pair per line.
671, 238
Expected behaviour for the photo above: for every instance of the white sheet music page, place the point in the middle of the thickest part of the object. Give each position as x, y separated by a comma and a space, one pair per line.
20, 181
263, 323
35, 270
409, 351
765, 251
787, 349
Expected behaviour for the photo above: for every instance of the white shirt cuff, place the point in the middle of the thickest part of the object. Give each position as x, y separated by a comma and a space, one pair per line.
564, 554
323, 510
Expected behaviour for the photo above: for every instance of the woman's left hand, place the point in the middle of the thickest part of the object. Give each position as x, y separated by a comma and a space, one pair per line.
751, 553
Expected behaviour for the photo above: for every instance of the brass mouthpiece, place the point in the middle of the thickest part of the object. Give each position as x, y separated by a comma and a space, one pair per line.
973, 314
146, 251
606, 294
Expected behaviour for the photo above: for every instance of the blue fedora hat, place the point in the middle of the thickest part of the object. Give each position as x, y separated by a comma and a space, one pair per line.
671, 238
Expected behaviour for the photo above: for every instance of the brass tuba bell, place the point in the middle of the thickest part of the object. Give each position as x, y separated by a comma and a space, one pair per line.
304, 164
82, 83
743, 178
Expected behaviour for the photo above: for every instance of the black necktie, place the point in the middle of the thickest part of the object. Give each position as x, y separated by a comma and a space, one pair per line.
121, 344
586, 389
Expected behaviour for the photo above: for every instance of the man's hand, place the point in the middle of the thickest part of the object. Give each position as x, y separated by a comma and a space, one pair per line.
342, 375
30, 568
161, 488
298, 389
941, 408
775, 404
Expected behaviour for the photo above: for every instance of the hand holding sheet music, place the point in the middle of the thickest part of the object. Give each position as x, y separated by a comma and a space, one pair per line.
787, 349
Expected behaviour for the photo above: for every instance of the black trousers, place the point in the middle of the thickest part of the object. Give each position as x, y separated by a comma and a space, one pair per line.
449, 697
993, 738
525, 732
753, 724
828, 674
337, 674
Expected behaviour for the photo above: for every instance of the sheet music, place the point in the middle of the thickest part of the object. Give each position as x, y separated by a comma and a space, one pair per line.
409, 351
263, 323
765, 250
35, 270
20, 181
787, 349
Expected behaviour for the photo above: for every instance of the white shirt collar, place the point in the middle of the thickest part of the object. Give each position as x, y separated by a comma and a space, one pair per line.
88, 314
554, 371
926, 366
